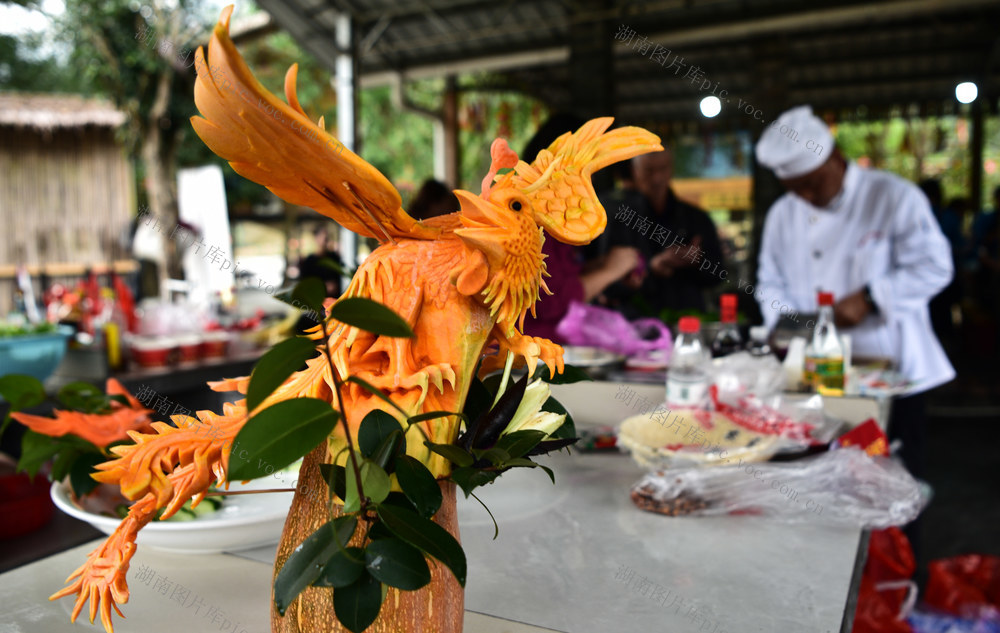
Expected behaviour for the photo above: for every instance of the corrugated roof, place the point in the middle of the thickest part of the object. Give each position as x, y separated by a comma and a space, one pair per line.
835, 54
52, 111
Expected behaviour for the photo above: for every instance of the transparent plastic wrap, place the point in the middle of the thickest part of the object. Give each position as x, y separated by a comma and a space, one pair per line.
739, 375
840, 487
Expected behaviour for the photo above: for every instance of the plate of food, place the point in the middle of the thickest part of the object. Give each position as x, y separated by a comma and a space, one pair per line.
661, 438
583, 356
225, 523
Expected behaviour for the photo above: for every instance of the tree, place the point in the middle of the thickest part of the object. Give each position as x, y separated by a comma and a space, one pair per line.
143, 61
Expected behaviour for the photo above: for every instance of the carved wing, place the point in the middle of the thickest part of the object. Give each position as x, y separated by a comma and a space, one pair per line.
276, 145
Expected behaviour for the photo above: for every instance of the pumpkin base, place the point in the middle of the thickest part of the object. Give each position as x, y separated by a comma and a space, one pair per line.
439, 607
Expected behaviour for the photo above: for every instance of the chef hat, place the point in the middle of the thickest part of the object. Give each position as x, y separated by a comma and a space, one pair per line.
796, 143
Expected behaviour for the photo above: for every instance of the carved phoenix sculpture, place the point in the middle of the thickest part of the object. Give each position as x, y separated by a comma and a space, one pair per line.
463, 282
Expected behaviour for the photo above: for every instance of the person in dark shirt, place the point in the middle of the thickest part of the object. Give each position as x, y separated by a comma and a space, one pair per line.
677, 241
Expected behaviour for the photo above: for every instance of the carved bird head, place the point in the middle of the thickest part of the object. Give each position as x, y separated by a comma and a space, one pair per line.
553, 193
557, 182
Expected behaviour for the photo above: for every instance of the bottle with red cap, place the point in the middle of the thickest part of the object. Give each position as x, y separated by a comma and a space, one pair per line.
824, 363
687, 377
728, 340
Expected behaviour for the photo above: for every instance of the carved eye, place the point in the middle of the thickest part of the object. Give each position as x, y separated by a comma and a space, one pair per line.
515, 205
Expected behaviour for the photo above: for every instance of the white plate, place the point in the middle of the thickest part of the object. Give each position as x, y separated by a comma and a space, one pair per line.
243, 521
583, 356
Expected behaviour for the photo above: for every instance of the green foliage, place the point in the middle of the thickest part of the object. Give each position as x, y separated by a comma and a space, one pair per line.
427, 536
370, 316
20, 392
397, 564
279, 435
418, 485
305, 564
274, 367
357, 605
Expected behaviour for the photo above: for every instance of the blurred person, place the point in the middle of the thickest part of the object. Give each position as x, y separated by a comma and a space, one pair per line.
434, 198
570, 279
677, 241
870, 238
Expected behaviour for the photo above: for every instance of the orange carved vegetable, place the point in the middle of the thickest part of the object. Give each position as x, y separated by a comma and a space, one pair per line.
462, 282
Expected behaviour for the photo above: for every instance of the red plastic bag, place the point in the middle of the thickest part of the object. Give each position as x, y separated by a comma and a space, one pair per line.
966, 585
886, 595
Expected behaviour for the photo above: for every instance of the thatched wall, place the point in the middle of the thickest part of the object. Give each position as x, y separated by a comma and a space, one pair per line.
66, 189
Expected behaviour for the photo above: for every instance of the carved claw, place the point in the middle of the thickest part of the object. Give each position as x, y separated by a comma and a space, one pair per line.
534, 349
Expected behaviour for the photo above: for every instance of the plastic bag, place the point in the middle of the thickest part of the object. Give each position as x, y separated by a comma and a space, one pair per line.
965, 585
923, 622
840, 487
594, 326
886, 594
739, 375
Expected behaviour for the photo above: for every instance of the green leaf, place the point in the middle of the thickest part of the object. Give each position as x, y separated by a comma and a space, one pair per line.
569, 375
452, 453
468, 479
568, 428
477, 401
376, 426
370, 316
397, 564
391, 447
36, 449
307, 295
375, 481
432, 415
281, 434
375, 391
494, 455
519, 443
549, 472
343, 568
79, 473
306, 562
83, 396
418, 485
63, 462
523, 462
357, 605
311, 293
21, 391
427, 536
485, 430
274, 367
336, 479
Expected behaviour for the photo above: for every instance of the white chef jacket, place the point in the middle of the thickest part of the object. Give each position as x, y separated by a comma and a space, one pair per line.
878, 232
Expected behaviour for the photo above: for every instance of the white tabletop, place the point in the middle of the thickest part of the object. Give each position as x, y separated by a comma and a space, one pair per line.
577, 557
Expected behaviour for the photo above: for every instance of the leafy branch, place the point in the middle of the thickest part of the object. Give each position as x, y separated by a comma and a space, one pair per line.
501, 432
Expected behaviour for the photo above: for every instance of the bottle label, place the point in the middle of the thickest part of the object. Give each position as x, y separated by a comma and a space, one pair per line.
825, 374
686, 394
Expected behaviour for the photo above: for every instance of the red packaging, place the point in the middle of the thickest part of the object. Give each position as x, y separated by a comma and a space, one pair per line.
868, 436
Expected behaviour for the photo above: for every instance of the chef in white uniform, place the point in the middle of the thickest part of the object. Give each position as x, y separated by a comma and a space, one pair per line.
867, 236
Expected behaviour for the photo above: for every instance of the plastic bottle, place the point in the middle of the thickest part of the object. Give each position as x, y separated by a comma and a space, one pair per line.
824, 366
687, 378
758, 341
728, 340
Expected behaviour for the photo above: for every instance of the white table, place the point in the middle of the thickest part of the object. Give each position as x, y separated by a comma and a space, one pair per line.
577, 557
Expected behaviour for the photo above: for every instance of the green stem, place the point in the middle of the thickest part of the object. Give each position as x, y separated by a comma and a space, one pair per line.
506, 376
351, 455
